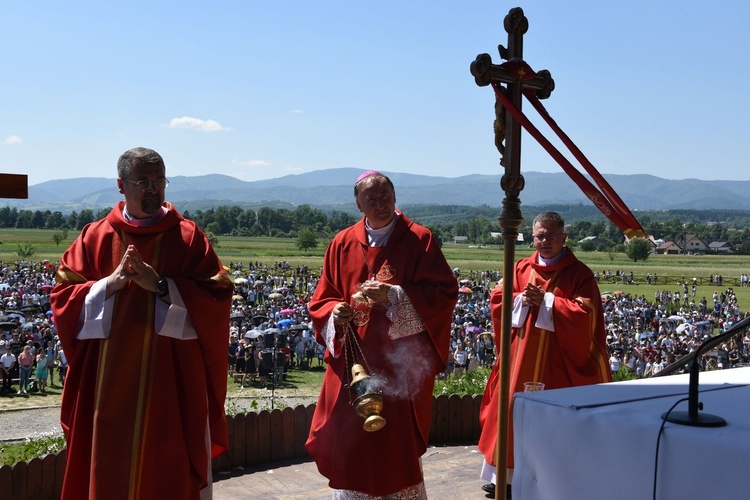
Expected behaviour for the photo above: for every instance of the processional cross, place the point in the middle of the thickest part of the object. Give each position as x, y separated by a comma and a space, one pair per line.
508, 143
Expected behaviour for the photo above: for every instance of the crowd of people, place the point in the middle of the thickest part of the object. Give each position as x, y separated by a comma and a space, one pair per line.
644, 333
32, 357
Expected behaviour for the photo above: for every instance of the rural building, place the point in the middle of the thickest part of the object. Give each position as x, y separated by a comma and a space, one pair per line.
692, 243
669, 248
721, 247
598, 243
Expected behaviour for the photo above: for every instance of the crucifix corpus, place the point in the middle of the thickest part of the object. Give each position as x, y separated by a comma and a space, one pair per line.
508, 142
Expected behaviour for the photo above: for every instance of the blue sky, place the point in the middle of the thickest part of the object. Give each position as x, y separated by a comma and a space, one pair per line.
259, 89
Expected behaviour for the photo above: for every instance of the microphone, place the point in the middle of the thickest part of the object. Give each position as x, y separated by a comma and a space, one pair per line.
692, 416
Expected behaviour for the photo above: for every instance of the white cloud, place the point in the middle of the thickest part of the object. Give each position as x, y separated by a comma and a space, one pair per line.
188, 122
297, 111
13, 139
251, 163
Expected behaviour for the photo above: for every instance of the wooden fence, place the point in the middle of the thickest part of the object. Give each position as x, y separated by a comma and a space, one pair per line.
254, 439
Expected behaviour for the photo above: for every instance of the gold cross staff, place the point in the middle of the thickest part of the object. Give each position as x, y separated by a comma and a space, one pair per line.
508, 142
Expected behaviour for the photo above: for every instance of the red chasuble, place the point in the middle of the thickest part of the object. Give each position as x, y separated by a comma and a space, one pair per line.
384, 461
136, 405
574, 354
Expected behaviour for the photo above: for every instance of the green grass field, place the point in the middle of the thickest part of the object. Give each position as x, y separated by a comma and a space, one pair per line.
669, 268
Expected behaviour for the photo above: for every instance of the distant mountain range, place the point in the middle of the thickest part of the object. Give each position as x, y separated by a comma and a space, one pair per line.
331, 189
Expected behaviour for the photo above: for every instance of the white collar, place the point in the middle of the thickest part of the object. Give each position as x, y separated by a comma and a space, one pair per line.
379, 237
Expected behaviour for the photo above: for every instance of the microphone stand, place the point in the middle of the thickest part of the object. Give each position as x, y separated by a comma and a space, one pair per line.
692, 416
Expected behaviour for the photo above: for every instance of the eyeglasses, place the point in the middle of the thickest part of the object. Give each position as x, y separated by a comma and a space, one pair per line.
150, 185
548, 236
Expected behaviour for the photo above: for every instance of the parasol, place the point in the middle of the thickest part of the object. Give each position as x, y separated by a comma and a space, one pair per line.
287, 311
253, 334
240, 281
465, 289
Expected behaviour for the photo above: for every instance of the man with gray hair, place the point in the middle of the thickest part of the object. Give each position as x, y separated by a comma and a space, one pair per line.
142, 311
386, 295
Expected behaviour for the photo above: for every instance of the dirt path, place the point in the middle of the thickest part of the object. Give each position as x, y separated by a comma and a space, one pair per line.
18, 424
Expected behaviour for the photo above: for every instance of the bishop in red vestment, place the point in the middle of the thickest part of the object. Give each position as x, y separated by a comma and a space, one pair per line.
558, 335
142, 311
385, 281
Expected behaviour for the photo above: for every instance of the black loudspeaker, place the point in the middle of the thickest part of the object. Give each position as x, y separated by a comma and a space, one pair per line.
266, 359
268, 340
281, 340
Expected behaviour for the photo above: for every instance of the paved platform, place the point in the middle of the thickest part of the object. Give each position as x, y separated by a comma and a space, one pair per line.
451, 472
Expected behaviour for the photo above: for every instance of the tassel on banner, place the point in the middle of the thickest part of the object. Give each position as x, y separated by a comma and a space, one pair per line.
606, 199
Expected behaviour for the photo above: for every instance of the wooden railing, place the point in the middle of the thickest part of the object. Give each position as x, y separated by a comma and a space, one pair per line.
254, 439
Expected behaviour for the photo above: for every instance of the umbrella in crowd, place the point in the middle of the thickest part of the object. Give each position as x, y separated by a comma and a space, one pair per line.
299, 327
281, 289
285, 322
237, 297
465, 289
253, 334
240, 281
13, 314
275, 296
236, 315
45, 288
258, 319
287, 311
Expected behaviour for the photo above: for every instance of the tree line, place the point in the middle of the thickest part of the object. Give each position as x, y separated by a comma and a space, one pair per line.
479, 224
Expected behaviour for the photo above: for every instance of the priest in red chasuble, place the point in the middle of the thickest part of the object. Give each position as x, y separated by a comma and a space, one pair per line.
142, 310
385, 300
558, 335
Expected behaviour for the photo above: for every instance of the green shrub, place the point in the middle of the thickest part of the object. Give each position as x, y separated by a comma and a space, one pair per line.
623, 374
472, 383
35, 446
